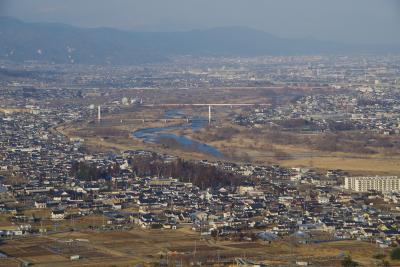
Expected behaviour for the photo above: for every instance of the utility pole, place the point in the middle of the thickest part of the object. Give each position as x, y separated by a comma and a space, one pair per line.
194, 252
99, 113
209, 115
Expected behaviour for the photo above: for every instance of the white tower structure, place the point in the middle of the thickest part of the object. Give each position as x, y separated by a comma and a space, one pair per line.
99, 113
209, 115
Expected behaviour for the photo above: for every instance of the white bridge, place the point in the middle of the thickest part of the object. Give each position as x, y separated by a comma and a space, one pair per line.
189, 105
205, 105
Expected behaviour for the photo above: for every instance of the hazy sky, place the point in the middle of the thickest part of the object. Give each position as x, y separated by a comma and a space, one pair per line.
350, 21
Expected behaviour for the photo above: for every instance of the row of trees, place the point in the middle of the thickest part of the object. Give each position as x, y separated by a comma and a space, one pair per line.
199, 174
91, 172
187, 171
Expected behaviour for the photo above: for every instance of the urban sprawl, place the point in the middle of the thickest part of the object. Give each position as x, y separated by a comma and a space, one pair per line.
41, 169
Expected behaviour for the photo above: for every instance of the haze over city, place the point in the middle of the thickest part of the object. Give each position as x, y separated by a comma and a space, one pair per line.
343, 21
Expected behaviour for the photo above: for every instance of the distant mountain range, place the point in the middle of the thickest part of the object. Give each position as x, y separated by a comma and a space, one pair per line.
59, 43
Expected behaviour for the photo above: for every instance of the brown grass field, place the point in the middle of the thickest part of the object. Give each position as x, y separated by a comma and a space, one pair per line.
147, 247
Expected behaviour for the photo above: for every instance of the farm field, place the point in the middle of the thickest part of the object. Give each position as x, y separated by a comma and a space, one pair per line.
150, 247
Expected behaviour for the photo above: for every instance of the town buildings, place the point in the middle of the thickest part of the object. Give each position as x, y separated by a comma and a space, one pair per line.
378, 183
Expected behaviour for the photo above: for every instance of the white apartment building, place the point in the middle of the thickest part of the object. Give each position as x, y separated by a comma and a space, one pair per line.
378, 183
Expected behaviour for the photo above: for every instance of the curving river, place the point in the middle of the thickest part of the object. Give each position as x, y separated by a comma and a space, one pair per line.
154, 135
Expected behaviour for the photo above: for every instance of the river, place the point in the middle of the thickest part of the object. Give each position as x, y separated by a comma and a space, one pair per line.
154, 135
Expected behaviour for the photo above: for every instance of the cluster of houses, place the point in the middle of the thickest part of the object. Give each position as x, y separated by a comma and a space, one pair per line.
30, 150
375, 110
271, 200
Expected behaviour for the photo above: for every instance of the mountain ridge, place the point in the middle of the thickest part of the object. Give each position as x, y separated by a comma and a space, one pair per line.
61, 43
